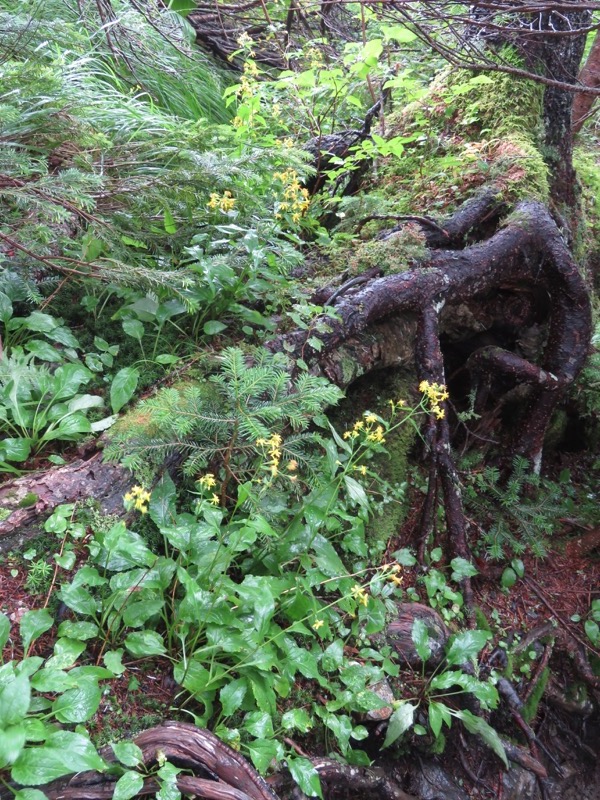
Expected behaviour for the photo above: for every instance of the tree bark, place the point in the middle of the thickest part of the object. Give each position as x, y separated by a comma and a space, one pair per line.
589, 76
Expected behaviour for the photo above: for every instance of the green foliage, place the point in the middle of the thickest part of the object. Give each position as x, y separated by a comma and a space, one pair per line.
453, 677
522, 513
230, 414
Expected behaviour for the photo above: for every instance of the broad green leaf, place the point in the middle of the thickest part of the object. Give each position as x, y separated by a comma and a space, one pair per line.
84, 401
78, 599
69, 428
78, 630
296, 719
509, 578
182, 7
43, 350
30, 794
167, 779
489, 735
78, 704
36, 730
466, 645
37, 321
6, 308
356, 492
259, 724
400, 721
306, 776
4, 630
128, 785
62, 754
420, 637
518, 566
333, 656
33, 624
128, 753
193, 676
122, 387
231, 696
137, 614
52, 680
68, 378
461, 568
133, 328
167, 358
263, 752
67, 560
145, 643
113, 661
398, 33
341, 726
15, 697
438, 713
162, 509
66, 653
15, 449
592, 630
213, 326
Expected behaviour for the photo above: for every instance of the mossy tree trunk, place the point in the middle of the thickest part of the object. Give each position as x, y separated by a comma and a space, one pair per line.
561, 57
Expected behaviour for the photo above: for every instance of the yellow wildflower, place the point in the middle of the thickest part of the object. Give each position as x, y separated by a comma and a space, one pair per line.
137, 498
376, 435
360, 594
215, 500
318, 623
370, 418
225, 202
362, 469
207, 481
292, 465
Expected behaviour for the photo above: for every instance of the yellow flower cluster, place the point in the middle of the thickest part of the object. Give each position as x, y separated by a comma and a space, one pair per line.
245, 41
396, 404
318, 623
296, 199
372, 432
224, 202
393, 575
273, 443
137, 498
360, 594
436, 393
207, 481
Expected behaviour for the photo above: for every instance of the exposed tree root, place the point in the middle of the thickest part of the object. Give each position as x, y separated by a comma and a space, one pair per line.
218, 772
525, 256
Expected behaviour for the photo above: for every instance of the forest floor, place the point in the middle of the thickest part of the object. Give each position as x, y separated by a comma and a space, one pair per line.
557, 590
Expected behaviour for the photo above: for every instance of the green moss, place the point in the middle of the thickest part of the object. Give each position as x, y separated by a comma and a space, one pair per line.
469, 131
4, 514
373, 393
30, 499
397, 253
587, 244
